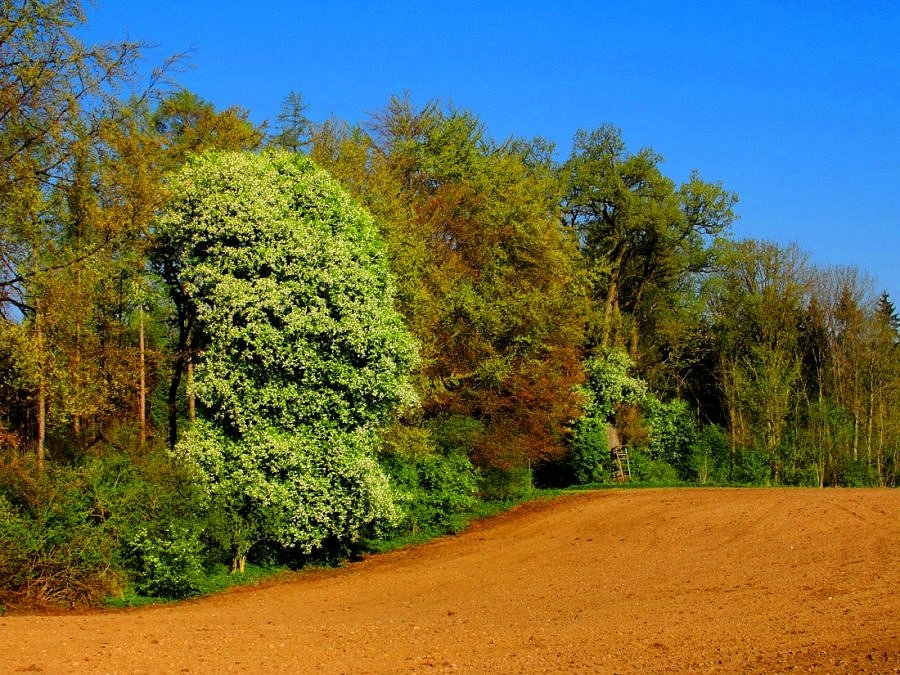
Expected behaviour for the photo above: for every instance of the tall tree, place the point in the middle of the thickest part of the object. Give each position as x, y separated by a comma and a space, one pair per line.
758, 312
189, 125
487, 280
643, 238
294, 128
303, 354
53, 91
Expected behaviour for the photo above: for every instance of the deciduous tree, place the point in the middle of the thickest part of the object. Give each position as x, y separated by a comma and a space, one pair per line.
301, 355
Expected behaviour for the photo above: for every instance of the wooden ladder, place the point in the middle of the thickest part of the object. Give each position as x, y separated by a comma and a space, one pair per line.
622, 471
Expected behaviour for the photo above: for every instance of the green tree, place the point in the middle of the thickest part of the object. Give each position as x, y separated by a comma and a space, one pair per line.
758, 311
487, 279
53, 89
181, 126
610, 389
301, 354
644, 240
294, 129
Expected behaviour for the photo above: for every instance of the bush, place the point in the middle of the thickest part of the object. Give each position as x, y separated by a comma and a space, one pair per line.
166, 564
644, 469
57, 546
589, 457
860, 474
752, 467
672, 431
431, 490
456, 434
708, 456
505, 485
282, 486
76, 535
162, 515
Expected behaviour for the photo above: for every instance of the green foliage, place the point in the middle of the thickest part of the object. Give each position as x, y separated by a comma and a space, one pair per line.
610, 384
708, 459
161, 516
456, 433
57, 544
643, 240
645, 469
434, 483
488, 281
860, 474
505, 485
77, 534
433, 491
303, 355
298, 489
292, 295
168, 564
589, 452
752, 466
672, 431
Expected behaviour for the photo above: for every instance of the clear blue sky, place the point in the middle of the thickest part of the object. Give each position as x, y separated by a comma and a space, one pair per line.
793, 104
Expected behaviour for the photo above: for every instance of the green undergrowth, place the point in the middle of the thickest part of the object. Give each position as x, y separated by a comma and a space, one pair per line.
215, 581
221, 579
459, 522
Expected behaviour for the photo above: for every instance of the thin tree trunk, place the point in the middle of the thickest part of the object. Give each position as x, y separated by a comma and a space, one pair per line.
879, 449
142, 391
182, 358
172, 400
192, 401
870, 414
42, 387
76, 367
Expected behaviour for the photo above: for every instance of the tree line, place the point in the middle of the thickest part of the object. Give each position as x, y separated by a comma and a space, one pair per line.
220, 339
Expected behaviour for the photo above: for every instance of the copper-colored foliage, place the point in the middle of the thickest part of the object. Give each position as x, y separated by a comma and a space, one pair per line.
487, 279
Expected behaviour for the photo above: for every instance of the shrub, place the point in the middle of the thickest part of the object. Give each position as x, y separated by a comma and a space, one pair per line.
611, 394
860, 474
708, 456
672, 431
589, 456
752, 466
161, 515
456, 434
57, 545
431, 489
166, 564
283, 487
647, 470
505, 485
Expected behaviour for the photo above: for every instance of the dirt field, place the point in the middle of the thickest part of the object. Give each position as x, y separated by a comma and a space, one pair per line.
616, 581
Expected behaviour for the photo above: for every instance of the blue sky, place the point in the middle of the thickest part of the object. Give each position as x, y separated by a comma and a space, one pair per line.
794, 105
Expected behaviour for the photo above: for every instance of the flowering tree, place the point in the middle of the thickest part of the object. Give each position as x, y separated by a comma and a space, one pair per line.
301, 354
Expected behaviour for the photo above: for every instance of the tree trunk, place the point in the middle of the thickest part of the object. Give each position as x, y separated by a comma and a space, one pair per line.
142, 388
238, 561
76, 369
172, 401
611, 303
611, 309
192, 401
42, 388
870, 413
182, 358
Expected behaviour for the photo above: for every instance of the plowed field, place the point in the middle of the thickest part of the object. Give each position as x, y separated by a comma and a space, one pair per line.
613, 581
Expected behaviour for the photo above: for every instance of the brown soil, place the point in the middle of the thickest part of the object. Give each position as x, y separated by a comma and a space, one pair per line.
615, 581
